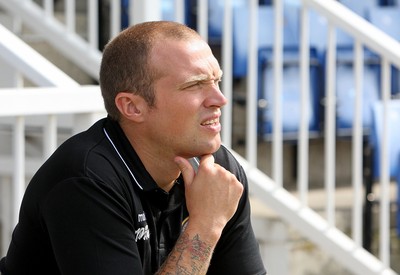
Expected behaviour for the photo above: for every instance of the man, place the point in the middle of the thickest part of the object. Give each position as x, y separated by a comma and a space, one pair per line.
122, 197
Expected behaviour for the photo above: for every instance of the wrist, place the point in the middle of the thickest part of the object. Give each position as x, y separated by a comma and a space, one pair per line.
208, 232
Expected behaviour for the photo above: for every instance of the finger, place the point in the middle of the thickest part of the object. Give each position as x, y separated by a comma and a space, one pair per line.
187, 170
207, 160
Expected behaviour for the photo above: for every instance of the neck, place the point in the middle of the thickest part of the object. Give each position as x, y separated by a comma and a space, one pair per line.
164, 171
158, 163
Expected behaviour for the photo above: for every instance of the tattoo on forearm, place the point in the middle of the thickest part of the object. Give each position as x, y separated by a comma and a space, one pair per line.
189, 256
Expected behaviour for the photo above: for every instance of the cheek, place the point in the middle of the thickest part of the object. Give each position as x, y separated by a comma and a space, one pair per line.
176, 117
178, 112
180, 107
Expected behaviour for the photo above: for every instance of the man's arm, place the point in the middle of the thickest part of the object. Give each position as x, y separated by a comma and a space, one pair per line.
212, 197
191, 255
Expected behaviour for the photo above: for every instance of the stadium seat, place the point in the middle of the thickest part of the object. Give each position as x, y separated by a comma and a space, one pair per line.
167, 12
345, 88
124, 14
345, 94
318, 31
291, 70
398, 198
345, 82
265, 33
387, 19
393, 116
388, 2
216, 18
291, 96
360, 7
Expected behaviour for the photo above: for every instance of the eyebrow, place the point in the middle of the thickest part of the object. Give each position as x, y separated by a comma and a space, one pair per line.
198, 78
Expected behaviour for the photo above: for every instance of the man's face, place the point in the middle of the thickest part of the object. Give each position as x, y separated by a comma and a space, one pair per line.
186, 118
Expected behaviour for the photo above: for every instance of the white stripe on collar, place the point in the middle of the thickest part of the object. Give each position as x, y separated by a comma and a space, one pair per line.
126, 165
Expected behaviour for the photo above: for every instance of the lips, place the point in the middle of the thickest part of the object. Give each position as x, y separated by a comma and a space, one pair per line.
210, 122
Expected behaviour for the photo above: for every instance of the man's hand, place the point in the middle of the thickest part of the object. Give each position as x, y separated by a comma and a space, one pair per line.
212, 197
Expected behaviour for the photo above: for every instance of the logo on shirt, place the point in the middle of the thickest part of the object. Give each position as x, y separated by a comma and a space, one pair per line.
142, 217
142, 233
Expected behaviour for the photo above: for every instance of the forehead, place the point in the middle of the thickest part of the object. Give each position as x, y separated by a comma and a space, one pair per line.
184, 58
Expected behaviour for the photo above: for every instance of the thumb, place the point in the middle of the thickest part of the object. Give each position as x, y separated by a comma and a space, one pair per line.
187, 170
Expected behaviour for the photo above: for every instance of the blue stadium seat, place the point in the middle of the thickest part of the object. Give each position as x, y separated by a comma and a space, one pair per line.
124, 14
345, 83
318, 31
360, 7
318, 41
167, 12
291, 95
388, 2
398, 198
265, 33
291, 71
345, 94
345, 88
387, 19
216, 17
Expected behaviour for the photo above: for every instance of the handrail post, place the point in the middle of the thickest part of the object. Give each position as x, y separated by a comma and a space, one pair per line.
227, 79
251, 100
357, 144
18, 183
303, 148
330, 132
384, 227
277, 146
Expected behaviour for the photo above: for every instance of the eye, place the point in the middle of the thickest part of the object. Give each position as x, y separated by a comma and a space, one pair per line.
196, 84
193, 85
217, 81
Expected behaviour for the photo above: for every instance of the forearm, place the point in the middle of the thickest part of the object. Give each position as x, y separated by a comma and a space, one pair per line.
190, 255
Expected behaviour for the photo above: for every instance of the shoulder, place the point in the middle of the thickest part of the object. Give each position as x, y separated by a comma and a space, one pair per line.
85, 155
226, 159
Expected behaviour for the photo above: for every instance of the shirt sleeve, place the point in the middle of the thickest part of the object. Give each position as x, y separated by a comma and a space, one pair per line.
90, 229
237, 252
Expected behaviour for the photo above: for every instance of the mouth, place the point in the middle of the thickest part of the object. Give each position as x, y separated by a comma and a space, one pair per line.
211, 122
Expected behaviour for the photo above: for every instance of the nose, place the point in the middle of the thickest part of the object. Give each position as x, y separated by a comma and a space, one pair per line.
215, 98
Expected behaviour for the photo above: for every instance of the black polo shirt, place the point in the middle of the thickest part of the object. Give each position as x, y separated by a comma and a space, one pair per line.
92, 208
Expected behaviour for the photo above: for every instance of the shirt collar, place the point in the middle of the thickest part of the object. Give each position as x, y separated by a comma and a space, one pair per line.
128, 155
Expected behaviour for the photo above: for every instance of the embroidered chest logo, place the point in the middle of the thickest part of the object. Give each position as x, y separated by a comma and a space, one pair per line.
142, 217
142, 233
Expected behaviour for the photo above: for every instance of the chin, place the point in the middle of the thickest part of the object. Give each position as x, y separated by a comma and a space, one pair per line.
212, 147
200, 148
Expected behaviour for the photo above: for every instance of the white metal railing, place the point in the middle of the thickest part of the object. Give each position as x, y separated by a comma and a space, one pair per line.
62, 37
365, 35
19, 105
295, 212
45, 106
31, 64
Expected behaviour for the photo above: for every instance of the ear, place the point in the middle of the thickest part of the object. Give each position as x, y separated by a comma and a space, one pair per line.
131, 106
